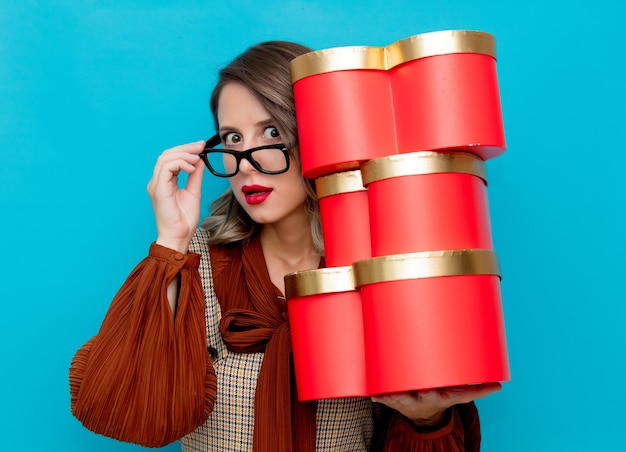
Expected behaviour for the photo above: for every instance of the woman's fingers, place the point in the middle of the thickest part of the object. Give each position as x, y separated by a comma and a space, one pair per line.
177, 209
194, 182
428, 402
471, 392
171, 162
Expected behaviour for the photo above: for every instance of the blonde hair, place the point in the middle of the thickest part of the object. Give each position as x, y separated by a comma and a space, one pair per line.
264, 69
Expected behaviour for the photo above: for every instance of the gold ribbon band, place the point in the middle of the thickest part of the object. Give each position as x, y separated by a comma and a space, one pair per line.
337, 183
426, 162
384, 58
426, 264
319, 281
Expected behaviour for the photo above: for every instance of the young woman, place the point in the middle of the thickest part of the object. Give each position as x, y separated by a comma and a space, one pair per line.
196, 344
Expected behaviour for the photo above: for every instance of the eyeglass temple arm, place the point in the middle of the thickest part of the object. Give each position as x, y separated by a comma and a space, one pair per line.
213, 141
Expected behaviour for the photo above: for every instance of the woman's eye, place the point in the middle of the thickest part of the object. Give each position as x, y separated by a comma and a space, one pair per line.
271, 133
231, 139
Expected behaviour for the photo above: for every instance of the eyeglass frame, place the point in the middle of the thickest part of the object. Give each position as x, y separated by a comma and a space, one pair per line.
240, 155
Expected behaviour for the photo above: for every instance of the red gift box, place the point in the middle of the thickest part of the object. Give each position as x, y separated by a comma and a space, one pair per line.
326, 326
344, 212
427, 92
432, 319
427, 201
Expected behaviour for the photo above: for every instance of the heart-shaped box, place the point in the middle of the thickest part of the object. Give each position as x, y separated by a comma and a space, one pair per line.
431, 91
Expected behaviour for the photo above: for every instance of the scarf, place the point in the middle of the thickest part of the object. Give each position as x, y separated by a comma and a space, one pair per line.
254, 319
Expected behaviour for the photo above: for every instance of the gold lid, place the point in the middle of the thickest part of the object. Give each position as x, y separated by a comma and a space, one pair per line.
337, 59
425, 162
425, 264
440, 43
384, 58
336, 183
318, 281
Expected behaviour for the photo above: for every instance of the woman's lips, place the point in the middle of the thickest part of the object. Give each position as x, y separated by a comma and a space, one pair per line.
255, 194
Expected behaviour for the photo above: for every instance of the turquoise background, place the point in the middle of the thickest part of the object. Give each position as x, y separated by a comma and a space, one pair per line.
92, 91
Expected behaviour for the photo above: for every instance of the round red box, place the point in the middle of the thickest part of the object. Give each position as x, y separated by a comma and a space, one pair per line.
432, 320
344, 212
326, 325
427, 201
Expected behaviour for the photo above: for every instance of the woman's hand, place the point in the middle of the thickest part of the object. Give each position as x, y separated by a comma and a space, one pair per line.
177, 210
426, 408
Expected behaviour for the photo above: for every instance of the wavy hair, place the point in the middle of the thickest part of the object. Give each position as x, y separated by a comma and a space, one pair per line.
264, 69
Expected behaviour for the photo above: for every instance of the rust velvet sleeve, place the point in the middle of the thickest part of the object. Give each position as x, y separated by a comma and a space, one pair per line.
147, 377
460, 433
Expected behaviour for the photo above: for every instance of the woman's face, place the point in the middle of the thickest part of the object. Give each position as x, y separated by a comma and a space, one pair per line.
244, 124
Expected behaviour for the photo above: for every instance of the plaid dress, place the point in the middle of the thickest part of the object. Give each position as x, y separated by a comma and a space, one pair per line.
342, 424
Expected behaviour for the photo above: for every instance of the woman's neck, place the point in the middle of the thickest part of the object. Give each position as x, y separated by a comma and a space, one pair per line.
287, 250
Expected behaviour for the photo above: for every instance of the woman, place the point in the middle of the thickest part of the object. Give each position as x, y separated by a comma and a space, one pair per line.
147, 379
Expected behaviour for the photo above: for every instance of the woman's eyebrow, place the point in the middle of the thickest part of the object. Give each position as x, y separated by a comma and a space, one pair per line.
261, 123
266, 122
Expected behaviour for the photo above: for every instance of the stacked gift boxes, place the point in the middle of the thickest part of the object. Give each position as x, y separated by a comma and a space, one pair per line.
396, 139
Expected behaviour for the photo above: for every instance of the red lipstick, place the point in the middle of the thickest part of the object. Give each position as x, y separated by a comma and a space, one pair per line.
255, 194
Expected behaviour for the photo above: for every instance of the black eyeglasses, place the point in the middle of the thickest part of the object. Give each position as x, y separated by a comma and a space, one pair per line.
269, 159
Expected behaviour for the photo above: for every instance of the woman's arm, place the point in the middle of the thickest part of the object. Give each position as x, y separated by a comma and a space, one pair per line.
147, 377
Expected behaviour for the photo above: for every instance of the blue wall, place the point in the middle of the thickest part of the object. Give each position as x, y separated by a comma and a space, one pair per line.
91, 92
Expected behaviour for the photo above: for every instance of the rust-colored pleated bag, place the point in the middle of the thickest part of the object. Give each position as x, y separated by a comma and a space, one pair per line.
147, 377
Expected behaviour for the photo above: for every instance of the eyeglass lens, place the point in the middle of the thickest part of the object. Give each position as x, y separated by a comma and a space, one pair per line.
272, 159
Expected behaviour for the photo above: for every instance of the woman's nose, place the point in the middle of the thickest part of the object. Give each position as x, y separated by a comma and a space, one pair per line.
245, 166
